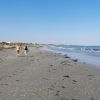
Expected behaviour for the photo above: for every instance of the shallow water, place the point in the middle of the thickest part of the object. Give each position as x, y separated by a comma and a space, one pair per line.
82, 57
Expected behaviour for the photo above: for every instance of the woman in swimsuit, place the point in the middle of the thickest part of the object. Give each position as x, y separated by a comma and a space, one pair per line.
25, 50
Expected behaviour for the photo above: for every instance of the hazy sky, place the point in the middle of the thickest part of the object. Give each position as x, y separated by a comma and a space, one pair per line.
50, 21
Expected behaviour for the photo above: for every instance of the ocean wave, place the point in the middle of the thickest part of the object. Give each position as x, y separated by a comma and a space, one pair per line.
89, 54
93, 50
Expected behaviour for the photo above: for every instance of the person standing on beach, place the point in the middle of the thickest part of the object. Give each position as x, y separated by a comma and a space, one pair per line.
21, 48
18, 49
25, 50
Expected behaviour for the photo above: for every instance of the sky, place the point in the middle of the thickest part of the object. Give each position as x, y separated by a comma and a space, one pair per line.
72, 22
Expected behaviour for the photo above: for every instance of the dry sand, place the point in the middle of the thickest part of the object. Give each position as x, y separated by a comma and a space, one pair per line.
46, 76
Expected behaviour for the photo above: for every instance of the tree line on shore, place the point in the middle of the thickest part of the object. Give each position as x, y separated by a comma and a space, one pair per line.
13, 44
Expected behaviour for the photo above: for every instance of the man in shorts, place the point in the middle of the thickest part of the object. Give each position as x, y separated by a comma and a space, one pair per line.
18, 49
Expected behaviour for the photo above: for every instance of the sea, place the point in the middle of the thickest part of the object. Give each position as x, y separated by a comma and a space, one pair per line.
86, 54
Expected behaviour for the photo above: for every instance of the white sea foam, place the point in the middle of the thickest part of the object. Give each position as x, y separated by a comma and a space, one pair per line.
83, 54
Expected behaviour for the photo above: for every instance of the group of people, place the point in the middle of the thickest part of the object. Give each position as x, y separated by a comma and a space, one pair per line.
20, 48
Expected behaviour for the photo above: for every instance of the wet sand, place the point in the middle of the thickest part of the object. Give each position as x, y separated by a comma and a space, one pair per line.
46, 76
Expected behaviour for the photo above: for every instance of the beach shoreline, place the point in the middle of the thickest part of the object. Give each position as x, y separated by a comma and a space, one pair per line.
42, 75
92, 58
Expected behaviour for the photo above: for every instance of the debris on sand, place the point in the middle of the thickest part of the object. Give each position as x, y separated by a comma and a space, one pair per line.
75, 60
67, 76
66, 56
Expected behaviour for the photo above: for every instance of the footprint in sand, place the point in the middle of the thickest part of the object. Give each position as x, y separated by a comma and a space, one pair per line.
90, 77
45, 78
63, 87
4, 84
57, 93
51, 65
92, 99
1, 60
64, 63
20, 71
16, 71
74, 81
14, 74
54, 69
9, 76
32, 60
17, 80
66, 76
62, 98
51, 89
38, 60
52, 86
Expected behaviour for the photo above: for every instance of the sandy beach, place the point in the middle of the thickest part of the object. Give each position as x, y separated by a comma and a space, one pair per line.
42, 75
